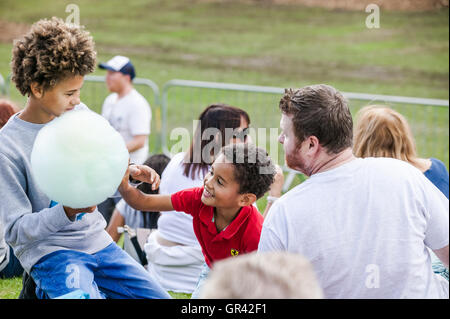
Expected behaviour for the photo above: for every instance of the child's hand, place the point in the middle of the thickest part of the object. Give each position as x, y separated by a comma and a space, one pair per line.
71, 212
145, 174
277, 185
124, 183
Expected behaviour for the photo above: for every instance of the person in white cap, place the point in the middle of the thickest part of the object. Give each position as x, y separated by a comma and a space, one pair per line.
126, 109
129, 113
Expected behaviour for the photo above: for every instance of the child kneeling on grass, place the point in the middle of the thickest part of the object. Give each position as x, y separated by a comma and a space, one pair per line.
225, 221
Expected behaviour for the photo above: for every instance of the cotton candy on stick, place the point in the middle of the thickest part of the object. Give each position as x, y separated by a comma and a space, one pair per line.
78, 159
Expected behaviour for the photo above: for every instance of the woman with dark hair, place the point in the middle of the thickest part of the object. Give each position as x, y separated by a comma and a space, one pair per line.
220, 121
173, 253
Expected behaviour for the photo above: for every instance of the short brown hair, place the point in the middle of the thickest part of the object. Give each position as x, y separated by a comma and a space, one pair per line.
320, 111
51, 51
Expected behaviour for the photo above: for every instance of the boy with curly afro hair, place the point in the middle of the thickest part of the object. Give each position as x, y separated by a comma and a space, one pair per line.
62, 252
225, 220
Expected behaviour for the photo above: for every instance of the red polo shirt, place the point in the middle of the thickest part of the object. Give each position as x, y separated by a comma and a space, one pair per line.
239, 237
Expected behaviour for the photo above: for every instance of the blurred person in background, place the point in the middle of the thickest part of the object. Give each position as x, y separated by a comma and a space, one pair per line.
126, 109
7, 109
271, 275
383, 132
129, 113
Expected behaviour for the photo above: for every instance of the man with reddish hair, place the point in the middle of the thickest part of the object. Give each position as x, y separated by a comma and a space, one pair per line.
364, 223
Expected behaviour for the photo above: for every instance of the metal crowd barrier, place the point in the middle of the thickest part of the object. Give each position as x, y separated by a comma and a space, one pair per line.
2, 85
182, 101
95, 91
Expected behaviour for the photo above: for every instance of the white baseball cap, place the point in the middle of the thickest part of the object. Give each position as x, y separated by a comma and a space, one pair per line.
121, 64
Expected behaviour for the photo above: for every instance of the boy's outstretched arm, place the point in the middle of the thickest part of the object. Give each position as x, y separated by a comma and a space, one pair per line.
137, 199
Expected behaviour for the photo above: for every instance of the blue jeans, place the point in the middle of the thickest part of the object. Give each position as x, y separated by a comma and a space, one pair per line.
109, 273
201, 281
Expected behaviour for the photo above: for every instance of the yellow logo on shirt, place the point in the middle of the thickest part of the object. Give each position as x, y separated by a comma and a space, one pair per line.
234, 252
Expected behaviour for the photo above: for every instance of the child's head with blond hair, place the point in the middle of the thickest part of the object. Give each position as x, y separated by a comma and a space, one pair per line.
268, 275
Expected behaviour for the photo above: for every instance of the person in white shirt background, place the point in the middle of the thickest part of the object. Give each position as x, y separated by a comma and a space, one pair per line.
126, 109
128, 112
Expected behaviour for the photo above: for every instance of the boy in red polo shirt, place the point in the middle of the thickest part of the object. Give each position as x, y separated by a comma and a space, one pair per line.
225, 221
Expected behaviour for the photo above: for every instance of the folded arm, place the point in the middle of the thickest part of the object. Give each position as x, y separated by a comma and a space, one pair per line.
137, 142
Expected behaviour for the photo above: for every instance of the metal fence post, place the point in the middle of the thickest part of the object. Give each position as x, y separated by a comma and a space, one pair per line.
2, 85
94, 99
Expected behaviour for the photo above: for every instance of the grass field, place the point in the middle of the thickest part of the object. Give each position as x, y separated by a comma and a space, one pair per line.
258, 44
271, 45
284, 46
10, 289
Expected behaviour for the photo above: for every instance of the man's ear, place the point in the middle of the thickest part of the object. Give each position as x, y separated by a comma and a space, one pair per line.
37, 90
313, 144
247, 199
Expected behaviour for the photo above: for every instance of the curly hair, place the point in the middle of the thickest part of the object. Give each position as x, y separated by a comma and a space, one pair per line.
50, 52
253, 168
